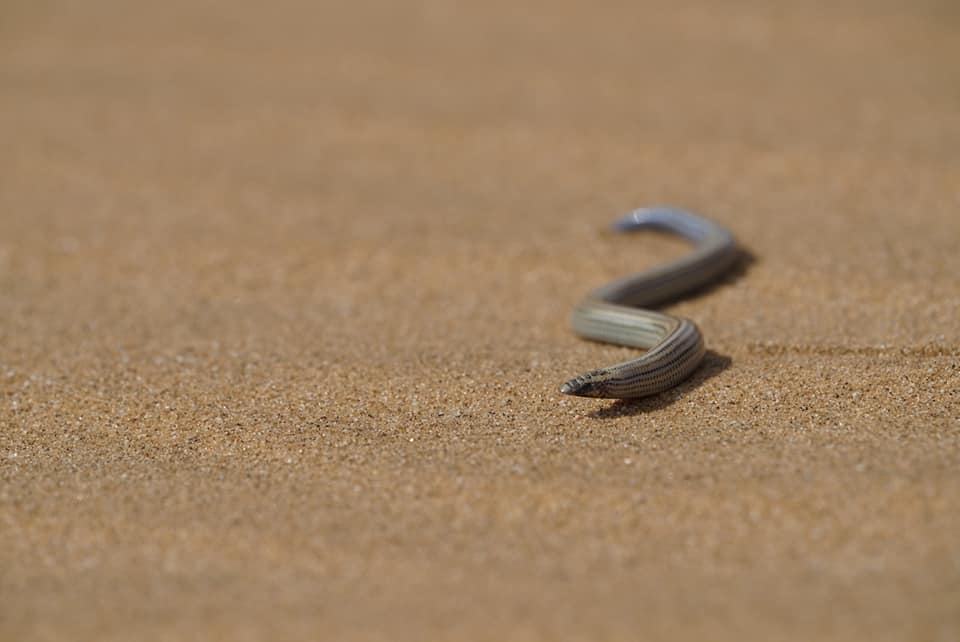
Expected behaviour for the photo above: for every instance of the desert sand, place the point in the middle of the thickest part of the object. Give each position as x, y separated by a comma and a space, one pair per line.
284, 291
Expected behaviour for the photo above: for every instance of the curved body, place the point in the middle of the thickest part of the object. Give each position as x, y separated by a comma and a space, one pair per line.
614, 314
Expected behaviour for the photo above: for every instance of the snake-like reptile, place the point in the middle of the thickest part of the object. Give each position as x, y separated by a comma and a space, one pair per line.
612, 313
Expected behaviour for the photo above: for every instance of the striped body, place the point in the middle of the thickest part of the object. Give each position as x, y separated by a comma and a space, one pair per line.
612, 313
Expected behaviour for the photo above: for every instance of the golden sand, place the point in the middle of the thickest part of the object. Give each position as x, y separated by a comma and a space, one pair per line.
283, 302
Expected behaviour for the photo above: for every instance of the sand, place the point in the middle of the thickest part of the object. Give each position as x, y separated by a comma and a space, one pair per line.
284, 312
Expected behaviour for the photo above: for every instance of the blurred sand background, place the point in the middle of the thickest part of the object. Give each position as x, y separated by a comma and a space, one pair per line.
284, 306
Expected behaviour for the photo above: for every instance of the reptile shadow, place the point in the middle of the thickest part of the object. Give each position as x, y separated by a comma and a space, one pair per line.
713, 364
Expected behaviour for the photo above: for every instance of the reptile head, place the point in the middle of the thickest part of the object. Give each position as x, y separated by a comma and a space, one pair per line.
586, 385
